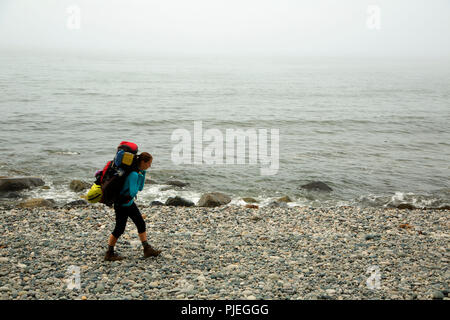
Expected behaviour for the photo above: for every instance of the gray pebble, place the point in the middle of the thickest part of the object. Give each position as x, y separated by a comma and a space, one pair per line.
437, 295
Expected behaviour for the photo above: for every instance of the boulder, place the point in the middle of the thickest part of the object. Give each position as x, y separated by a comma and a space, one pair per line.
37, 202
19, 183
213, 199
250, 200
177, 183
156, 203
284, 199
78, 185
178, 202
317, 186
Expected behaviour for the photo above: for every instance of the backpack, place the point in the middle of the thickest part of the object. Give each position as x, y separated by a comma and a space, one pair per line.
115, 172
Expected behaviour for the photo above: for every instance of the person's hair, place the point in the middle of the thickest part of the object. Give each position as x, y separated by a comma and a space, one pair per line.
145, 157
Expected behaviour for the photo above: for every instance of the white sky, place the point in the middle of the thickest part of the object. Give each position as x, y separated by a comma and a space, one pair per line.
320, 27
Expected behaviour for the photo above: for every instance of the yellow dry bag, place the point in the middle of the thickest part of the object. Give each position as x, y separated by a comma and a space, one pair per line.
95, 193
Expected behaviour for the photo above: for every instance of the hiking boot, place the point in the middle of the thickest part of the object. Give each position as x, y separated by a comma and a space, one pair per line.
150, 252
112, 256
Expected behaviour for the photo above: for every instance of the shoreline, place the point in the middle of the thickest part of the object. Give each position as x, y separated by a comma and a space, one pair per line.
227, 252
315, 194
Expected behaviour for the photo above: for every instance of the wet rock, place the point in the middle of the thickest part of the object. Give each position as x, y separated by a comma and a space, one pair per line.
317, 186
19, 183
156, 203
10, 195
250, 200
406, 206
177, 183
37, 202
166, 188
78, 185
284, 199
438, 208
179, 202
213, 199
251, 206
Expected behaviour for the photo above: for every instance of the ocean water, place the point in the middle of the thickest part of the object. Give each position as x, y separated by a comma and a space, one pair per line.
375, 130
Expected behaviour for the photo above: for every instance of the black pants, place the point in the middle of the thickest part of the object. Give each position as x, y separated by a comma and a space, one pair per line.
122, 214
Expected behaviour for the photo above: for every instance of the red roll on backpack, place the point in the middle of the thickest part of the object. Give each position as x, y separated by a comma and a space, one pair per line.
128, 147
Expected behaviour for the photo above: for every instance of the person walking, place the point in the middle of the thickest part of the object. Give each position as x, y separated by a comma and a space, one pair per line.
126, 208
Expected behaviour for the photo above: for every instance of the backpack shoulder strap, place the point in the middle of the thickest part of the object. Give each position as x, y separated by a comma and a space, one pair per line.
104, 170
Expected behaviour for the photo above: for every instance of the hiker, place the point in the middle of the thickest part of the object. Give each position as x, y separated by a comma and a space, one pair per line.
126, 207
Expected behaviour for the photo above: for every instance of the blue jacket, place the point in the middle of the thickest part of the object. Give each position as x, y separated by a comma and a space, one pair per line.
134, 183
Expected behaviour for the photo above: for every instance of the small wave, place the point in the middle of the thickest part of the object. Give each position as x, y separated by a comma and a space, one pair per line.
402, 198
154, 193
63, 153
150, 123
19, 100
60, 194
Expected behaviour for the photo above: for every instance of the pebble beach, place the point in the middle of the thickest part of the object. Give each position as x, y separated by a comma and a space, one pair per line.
227, 252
